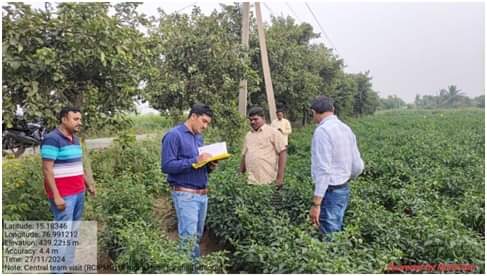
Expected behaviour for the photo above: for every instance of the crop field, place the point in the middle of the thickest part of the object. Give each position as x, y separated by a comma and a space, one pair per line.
420, 200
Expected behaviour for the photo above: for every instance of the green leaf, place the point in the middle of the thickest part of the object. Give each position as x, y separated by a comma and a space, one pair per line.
15, 65
102, 58
35, 87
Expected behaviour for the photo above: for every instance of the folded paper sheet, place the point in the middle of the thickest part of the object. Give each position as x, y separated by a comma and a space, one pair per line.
218, 151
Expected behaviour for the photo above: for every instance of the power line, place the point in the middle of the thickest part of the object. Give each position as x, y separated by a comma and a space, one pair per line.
180, 10
321, 27
293, 12
268, 9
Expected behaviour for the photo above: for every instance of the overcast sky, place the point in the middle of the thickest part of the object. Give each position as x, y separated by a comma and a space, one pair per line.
409, 48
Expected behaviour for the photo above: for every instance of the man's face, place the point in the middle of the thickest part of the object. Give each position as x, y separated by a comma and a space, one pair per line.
72, 121
200, 123
280, 115
256, 122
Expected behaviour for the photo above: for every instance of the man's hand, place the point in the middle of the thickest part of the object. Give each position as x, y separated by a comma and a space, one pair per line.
314, 214
59, 201
204, 156
91, 189
280, 130
213, 165
279, 183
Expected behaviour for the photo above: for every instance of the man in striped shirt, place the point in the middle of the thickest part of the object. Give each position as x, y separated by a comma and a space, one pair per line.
62, 166
64, 180
335, 160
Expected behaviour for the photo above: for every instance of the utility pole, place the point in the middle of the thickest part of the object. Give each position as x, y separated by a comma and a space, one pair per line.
265, 63
242, 95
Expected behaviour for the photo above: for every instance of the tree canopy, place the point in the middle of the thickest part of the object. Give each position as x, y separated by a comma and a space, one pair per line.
75, 54
100, 57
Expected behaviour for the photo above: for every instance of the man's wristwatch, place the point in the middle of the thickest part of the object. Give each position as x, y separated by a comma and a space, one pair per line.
316, 205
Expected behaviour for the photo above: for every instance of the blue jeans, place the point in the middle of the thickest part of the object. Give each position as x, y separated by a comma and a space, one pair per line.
191, 214
63, 256
333, 209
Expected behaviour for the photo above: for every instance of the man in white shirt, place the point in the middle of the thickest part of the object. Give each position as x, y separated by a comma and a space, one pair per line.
335, 160
283, 125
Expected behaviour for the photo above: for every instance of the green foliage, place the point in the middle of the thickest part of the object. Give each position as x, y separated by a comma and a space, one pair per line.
80, 54
299, 69
120, 202
140, 160
138, 124
149, 123
129, 184
146, 250
197, 58
228, 126
420, 200
365, 100
23, 190
75, 54
392, 102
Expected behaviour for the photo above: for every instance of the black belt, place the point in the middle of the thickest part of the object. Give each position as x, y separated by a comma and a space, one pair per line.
337, 187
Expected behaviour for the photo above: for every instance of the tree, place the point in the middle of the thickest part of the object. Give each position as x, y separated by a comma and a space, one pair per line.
452, 97
365, 100
75, 54
392, 102
343, 95
300, 70
289, 52
197, 58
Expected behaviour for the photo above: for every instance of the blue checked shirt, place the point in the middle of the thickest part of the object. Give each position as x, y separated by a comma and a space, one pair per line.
335, 157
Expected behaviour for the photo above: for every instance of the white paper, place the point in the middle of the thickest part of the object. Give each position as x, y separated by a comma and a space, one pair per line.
214, 149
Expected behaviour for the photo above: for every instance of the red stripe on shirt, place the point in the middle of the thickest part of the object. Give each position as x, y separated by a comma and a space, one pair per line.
67, 186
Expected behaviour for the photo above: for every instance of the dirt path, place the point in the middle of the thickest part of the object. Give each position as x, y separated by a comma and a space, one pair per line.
100, 143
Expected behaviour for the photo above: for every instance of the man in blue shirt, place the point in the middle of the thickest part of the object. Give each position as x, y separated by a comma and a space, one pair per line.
335, 160
179, 150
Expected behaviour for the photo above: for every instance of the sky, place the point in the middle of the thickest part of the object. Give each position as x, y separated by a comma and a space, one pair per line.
409, 47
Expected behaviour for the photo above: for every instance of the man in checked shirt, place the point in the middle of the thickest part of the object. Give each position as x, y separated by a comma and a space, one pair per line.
335, 160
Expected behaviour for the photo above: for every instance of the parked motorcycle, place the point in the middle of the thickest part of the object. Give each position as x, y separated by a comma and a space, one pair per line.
22, 136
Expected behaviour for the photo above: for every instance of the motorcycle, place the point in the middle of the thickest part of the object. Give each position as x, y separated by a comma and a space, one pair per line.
22, 136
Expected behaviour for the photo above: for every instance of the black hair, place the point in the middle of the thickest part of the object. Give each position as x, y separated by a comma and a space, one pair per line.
201, 109
256, 111
64, 112
322, 104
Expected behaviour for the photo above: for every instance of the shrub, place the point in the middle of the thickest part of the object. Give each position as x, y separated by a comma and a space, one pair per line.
23, 192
